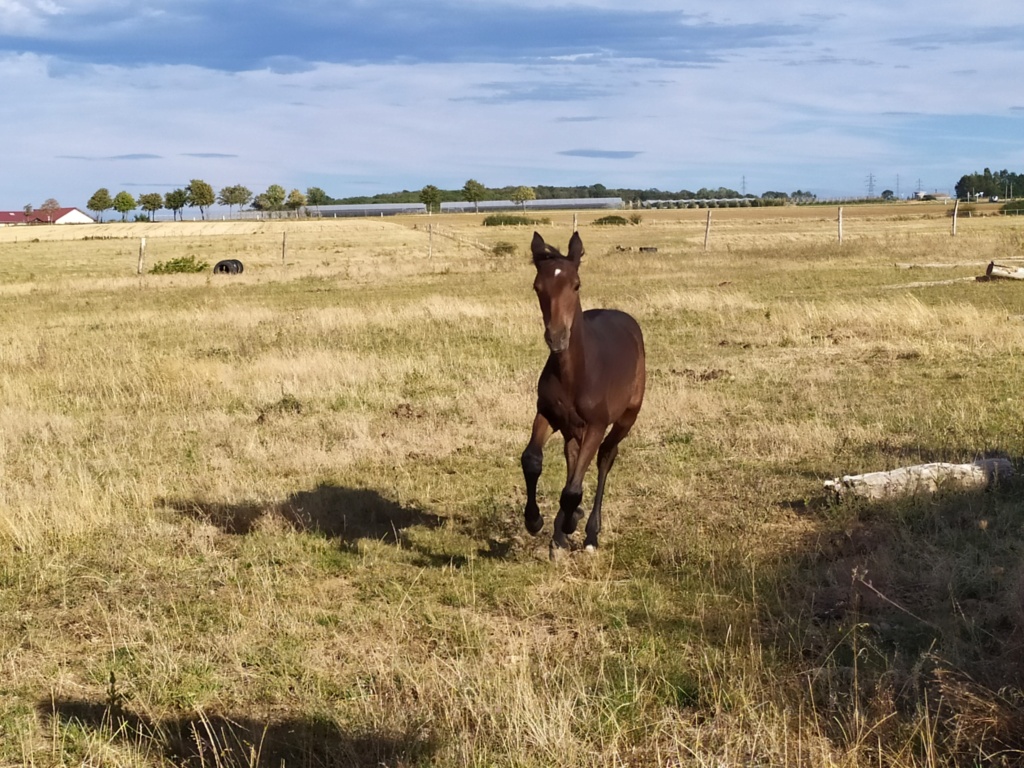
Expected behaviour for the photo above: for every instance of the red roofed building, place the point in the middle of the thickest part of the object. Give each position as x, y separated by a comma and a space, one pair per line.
52, 216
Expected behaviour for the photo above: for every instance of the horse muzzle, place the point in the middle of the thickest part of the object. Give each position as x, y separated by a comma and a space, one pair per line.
557, 342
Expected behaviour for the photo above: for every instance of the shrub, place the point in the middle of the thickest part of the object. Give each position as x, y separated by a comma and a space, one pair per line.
511, 220
182, 264
1015, 207
635, 218
611, 220
503, 248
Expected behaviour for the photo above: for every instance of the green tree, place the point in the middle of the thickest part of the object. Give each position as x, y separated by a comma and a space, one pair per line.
174, 201
124, 202
430, 196
234, 195
28, 209
317, 197
295, 200
274, 198
473, 192
151, 202
100, 201
522, 194
200, 195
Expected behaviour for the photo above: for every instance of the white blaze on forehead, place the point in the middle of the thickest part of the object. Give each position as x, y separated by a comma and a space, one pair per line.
558, 272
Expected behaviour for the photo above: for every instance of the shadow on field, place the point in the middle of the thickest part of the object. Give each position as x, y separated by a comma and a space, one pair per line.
205, 740
345, 513
910, 611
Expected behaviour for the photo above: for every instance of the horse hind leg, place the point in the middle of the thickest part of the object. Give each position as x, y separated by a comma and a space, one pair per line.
606, 455
532, 462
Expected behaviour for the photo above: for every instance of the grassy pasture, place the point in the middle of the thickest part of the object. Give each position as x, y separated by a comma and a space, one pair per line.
276, 517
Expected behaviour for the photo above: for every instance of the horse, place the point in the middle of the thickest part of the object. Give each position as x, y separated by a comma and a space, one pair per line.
593, 383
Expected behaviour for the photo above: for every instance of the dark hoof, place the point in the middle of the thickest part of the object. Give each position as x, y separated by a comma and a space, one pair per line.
534, 524
569, 526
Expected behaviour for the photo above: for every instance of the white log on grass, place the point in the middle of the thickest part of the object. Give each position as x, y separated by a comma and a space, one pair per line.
997, 271
922, 478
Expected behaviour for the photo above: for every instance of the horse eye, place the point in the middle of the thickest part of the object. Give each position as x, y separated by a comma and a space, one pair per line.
576, 287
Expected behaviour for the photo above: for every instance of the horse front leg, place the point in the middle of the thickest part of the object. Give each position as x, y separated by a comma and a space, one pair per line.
572, 493
533, 462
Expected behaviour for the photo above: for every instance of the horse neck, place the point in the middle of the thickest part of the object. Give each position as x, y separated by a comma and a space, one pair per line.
572, 362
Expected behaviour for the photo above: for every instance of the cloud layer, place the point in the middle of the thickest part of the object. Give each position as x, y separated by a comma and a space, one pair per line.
358, 97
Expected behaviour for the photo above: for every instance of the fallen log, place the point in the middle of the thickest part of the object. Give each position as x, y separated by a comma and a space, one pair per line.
999, 272
922, 478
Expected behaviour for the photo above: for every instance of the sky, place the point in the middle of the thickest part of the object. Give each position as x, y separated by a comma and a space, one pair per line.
360, 97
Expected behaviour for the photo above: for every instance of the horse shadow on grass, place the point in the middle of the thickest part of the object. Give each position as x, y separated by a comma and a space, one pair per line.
228, 740
348, 515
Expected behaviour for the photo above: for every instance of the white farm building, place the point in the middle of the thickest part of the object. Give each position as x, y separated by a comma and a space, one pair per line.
48, 216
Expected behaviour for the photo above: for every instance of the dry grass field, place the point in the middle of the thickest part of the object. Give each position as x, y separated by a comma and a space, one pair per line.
276, 518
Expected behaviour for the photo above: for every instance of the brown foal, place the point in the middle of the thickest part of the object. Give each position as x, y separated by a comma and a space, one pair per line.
593, 383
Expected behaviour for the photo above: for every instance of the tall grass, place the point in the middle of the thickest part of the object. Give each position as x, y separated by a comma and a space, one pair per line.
276, 517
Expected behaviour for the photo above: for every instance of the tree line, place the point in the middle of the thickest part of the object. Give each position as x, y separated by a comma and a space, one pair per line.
199, 194
473, 191
988, 184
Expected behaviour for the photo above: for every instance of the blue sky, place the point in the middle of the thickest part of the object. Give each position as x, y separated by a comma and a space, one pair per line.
360, 97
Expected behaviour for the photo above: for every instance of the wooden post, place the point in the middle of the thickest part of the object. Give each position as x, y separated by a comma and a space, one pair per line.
574, 227
284, 246
707, 230
142, 254
430, 241
956, 207
840, 224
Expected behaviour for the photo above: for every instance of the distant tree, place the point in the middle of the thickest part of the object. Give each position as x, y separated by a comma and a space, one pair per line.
151, 202
234, 195
124, 202
274, 197
522, 194
888, 194
200, 195
100, 201
317, 197
803, 197
430, 196
174, 201
49, 205
473, 192
295, 200
27, 209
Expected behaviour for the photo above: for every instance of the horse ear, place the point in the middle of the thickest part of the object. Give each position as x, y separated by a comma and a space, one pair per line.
538, 248
576, 247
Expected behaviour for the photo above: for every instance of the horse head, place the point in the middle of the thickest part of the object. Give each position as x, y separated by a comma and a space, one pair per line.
557, 286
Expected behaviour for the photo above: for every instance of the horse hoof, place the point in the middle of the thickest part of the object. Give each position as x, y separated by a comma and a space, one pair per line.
556, 552
590, 549
534, 525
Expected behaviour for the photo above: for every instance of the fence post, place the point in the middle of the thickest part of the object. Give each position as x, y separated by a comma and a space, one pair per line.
956, 207
840, 224
707, 230
284, 246
142, 254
